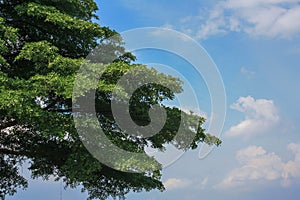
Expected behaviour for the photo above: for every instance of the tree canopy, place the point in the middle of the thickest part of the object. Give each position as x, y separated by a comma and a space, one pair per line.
43, 43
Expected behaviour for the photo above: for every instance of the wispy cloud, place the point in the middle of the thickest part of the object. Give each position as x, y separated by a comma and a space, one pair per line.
247, 72
183, 183
260, 116
165, 30
259, 165
175, 183
270, 18
203, 184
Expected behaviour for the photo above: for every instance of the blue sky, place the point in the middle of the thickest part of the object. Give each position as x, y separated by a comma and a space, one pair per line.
256, 47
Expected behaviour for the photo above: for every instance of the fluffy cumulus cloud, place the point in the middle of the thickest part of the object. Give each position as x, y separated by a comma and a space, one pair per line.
271, 18
175, 183
260, 116
259, 165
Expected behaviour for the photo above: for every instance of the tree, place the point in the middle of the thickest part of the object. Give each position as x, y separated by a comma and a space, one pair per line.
43, 43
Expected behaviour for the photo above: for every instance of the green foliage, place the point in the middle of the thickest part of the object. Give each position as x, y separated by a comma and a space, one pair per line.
42, 45
9, 179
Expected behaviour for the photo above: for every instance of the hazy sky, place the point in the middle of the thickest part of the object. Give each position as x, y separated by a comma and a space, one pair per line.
256, 47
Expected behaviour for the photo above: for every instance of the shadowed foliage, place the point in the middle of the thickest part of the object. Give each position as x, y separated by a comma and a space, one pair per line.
42, 44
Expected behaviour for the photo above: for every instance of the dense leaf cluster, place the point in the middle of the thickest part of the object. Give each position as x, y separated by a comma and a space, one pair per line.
42, 45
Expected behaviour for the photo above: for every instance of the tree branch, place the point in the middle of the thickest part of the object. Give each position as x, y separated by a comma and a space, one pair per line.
55, 100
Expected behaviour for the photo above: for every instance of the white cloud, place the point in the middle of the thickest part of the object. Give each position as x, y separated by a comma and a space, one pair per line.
203, 184
259, 165
178, 183
260, 116
247, 72
255, 3
175, 183
270, 18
